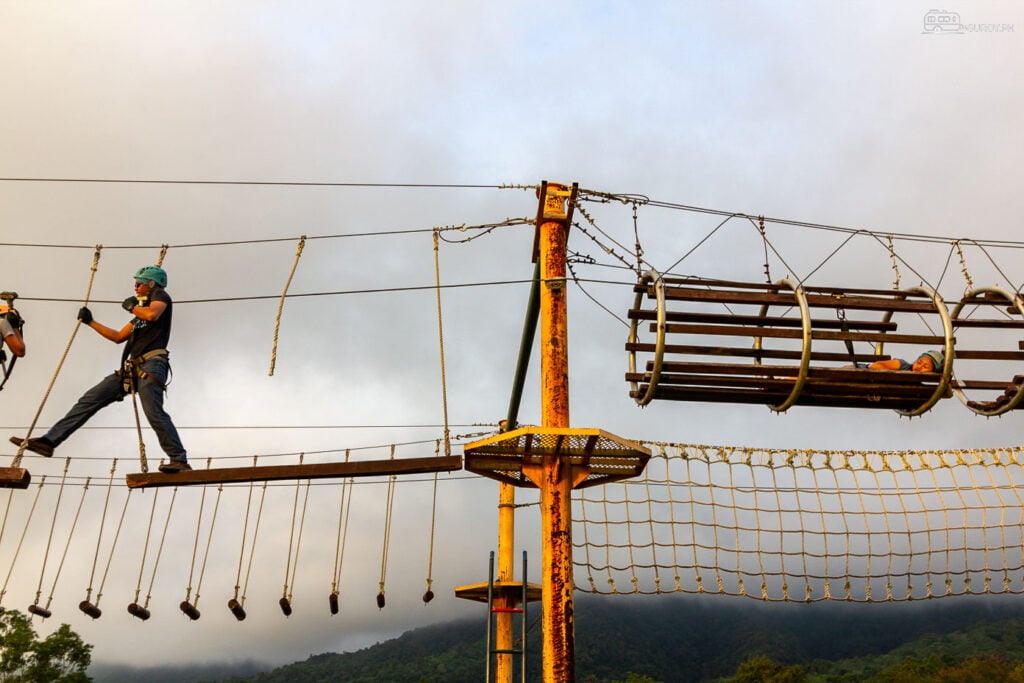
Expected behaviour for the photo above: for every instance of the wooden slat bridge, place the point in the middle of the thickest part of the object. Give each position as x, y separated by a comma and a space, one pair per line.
234, 475
800, 345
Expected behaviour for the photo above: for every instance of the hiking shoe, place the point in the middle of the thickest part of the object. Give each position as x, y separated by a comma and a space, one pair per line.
175, 466
40, 446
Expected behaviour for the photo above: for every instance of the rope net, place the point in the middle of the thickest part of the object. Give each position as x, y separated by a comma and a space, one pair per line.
807, 525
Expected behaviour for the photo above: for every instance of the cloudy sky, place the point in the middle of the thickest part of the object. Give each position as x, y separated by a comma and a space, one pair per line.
362, 126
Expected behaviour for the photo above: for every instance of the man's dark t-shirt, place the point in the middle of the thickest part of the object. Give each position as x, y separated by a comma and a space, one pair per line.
147, 336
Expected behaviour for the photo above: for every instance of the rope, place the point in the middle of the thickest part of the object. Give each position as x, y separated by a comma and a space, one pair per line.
145, 545
428, 595
963, 267
764, 240
85, 302
130, 372
103, 522
245, 531
440, 341
160, 259
280, 305
160, 548
195, 544
298, 542
344, 506
21, 540
387, 535
53, 523
252, 546
895, 263
209, 540
113, 546
291, 538
71, 532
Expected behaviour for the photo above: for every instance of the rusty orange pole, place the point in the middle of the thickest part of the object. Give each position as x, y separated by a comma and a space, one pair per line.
503, 620
555, 483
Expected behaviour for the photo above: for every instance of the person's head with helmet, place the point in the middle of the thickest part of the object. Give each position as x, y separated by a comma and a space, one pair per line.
930, 361
148, 278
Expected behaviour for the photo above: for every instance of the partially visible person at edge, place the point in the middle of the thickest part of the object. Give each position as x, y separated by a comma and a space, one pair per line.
929, 361
10, 331
144, 365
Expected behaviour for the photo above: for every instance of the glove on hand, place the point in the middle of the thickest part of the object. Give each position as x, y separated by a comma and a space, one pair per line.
85, 315
129, 303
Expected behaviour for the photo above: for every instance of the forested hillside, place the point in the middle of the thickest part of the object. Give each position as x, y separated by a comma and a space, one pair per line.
685, 639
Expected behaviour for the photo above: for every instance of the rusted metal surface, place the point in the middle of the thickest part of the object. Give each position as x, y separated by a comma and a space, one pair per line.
559, 648
225, 475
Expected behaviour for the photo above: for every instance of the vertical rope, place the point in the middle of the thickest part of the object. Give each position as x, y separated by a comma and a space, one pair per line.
291, 536
280, 305
71, 533
440, 336
963, 267
143, 462
895, 263
99, 537
209, 541
53, 523
113, 546
387, 535
339, 546
298, 542
145, 544
160, 548
428, 594
252, 546
245, 532
195, 545
85, 302
21, 540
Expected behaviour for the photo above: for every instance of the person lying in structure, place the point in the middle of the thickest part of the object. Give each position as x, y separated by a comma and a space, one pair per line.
929, 361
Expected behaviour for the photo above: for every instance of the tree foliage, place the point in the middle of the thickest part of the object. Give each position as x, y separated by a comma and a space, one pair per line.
61, 657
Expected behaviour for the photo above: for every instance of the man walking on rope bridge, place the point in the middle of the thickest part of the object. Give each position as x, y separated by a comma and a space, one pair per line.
144, 369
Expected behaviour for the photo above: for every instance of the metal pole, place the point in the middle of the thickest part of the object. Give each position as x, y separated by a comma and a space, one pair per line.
556, 480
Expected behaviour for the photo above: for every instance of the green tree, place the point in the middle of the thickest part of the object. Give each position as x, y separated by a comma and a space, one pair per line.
766, 670
61, 657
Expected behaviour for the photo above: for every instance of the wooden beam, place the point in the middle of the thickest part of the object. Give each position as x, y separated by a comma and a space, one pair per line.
332, 470
14, 478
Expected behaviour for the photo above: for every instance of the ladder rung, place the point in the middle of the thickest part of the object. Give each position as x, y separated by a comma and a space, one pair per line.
507, 652
513, 610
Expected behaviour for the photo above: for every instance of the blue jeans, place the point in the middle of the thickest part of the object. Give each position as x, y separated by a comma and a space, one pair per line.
111, 389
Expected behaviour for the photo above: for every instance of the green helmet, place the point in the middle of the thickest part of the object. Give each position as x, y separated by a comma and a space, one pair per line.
154, 273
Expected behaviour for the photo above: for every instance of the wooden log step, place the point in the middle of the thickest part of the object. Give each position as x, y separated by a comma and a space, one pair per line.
14, 478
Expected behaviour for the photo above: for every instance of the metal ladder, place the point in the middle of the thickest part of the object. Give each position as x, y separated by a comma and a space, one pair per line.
492, 611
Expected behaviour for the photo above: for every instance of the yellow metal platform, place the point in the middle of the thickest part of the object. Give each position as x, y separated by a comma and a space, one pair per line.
596, 456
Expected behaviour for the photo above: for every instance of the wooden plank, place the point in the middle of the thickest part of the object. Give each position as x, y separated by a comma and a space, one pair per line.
776, 333
14, 478
747, 352
226, 475
860, 302
994, 324
775, 321
831, 291
967, 354
720, 396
